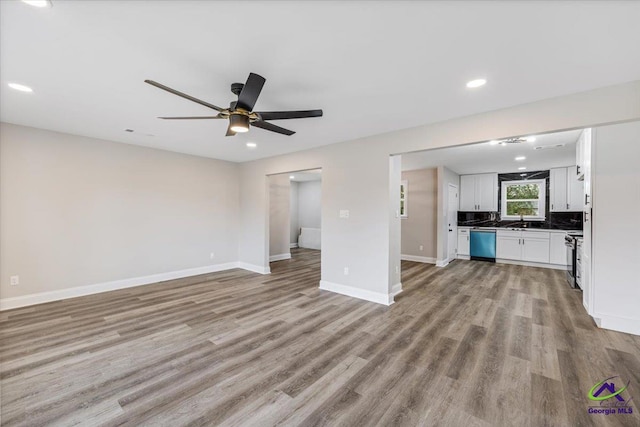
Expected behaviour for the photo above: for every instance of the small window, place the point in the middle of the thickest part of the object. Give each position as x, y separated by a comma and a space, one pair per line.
403, 198
523, 200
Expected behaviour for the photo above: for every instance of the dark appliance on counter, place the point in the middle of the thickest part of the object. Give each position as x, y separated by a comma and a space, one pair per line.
483, 245
573, 272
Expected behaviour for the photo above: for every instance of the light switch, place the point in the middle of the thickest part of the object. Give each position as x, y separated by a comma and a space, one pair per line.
344, 213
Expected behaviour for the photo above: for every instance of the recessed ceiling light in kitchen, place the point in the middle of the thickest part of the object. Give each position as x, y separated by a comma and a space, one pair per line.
476, 83
520, 158
21, 88
38, 3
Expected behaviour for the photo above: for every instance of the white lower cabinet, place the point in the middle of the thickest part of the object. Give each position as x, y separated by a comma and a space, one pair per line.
530, 246
463, 241
535, 249
508, 245
557, 249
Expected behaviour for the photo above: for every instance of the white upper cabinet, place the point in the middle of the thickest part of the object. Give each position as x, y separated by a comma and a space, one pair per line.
558, 190
479, 192
566, 191
583, 155
575, 191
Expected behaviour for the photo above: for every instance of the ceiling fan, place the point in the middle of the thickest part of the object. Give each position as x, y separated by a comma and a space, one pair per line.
240, 113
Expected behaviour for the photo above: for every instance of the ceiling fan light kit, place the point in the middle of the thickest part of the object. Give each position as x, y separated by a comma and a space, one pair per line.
239, 123
240, 113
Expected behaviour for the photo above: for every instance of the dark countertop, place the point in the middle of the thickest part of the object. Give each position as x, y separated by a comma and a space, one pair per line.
533, 225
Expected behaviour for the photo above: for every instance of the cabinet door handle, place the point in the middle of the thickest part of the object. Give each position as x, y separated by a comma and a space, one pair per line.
467, 238
578, 170
567, 206
551, 206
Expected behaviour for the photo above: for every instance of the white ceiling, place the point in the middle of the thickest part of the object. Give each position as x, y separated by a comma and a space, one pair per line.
372, 66
485, 157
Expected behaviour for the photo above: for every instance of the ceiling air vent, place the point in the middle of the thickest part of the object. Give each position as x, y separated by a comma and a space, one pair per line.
549, 147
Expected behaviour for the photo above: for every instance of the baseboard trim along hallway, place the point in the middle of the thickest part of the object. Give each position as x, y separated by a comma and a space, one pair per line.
422, 259
279, 257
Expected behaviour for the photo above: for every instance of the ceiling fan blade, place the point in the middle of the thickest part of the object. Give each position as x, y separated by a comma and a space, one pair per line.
192, 118
282, 115
250, 92
184, 95
272, 128
229, 131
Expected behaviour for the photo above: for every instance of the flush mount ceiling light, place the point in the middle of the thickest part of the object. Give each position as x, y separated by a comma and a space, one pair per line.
531, 139
292, 177
38, 3
252, 144
476, 83
520, 158
21, 88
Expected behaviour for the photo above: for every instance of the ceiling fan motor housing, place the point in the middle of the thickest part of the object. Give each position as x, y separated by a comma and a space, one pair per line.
236, 88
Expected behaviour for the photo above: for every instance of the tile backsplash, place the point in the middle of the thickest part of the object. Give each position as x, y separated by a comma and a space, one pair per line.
555, 220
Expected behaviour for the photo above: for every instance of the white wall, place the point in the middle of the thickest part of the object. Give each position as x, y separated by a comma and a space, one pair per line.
419, 228
279, 216
294, 226
445, 177
356, 177
616, 232
309, 204
78, 211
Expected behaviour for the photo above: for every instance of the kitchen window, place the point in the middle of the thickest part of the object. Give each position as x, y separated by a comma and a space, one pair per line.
523, 200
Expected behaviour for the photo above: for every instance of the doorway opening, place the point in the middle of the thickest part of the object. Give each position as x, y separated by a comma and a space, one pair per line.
295, 220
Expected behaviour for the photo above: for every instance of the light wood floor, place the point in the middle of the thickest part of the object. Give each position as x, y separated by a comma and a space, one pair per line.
472, 344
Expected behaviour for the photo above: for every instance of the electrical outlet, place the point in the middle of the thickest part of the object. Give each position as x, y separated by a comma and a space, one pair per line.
212, 255
344, 213
15, 280
346, 271
421, 247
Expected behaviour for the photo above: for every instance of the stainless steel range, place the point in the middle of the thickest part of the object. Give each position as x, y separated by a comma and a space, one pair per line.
571, 241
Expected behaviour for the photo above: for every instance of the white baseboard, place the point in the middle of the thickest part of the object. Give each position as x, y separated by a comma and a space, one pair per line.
293, 245
442, 262
620, 324
414, 258
531, 264
79, 291
254, 268
467, 257
350, 291
280, 257
396, 289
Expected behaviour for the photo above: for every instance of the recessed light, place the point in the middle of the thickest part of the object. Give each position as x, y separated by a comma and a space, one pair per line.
520, 158
21, 88
522, 168
38, 3
252, 144
292, 177
476, 83
494, 142
531, 139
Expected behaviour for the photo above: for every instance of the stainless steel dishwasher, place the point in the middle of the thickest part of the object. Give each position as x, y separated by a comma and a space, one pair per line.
483, 245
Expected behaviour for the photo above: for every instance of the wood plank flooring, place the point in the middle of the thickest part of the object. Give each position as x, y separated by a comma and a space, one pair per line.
472, 344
